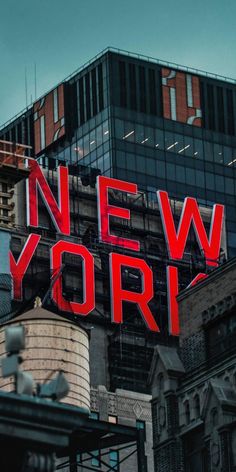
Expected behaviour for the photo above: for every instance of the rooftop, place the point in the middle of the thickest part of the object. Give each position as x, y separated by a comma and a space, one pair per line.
133, 55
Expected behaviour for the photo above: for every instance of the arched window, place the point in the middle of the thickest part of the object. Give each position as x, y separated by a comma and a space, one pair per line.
214, 416
187, 411
161, 382
197, 406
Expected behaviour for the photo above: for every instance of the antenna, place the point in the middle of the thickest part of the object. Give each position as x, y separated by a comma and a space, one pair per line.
35, 81
26, 88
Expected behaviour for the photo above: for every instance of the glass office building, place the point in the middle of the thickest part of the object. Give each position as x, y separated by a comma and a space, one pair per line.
157, 124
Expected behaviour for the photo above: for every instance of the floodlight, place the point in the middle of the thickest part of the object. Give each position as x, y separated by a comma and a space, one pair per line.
10, 365
14, 339
56, 389
24, 383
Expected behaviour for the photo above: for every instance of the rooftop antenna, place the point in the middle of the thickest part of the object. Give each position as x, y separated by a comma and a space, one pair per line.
26, 88
35, 81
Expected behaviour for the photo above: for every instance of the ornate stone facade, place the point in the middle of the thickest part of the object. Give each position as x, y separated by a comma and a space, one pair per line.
194, 387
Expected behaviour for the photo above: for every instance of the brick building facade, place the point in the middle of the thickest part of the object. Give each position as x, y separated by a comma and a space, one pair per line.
194, 386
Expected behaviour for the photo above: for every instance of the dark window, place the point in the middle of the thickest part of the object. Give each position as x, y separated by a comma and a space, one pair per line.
202, 101
180, 174
220, 107
170, 171
94, 92
219, 180
87, 97
197, 406
221, 336
19, 133
81, 100
214, 417
230, 112
152, 92
187, 411
100, 88
123, 87
13, 134
142, 426
25, 131
210, 106
142, 89
133, 87
4, 187
196, 456
190, 176
160, 382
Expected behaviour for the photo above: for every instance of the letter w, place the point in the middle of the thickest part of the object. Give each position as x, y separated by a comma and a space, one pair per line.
176, 241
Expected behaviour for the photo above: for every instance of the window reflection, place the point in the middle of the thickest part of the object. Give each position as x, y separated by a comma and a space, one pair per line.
85, 148
105, 130
99, 136
227, 155
200, 178
107, 161
180, 174
78, 151
86, 144
184, 148
170, 143
175, 143
189, 149
139, 134
128, 132
99, 164
92, 140
208, 150
89, 148
190, 176
160, 169
198, 149
149, 137
119, 129
232, 163
179, 148
159, 139
218, 153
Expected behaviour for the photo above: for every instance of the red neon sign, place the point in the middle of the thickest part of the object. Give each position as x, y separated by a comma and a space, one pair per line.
119, 295
88, 278
60, 213
176, 241
105, 210
19, 268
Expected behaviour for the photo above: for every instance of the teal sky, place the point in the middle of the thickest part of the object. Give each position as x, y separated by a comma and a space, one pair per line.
60, 35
